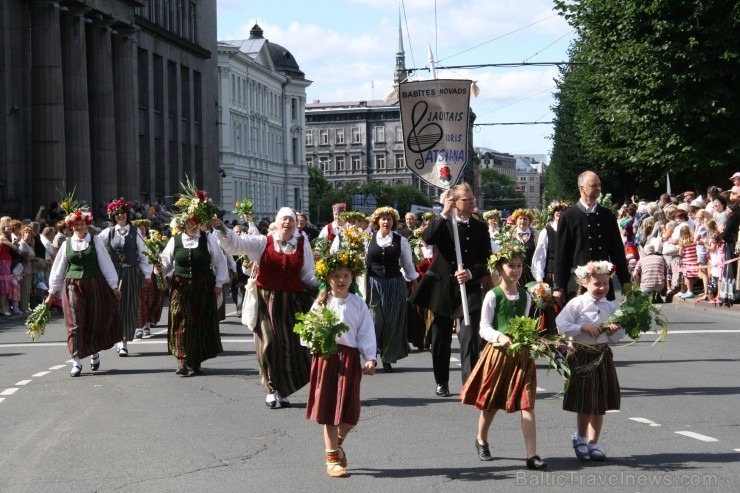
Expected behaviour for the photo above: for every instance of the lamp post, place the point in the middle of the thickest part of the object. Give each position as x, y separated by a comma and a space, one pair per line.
222, 174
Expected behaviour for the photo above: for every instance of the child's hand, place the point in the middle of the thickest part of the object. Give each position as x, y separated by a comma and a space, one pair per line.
612, 329
592, 330
504, 340
369, 367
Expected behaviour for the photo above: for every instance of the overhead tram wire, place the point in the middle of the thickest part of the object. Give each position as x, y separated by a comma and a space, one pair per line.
408, 34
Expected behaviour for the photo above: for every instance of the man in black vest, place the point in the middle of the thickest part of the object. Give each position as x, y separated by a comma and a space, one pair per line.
439, 290
587, 232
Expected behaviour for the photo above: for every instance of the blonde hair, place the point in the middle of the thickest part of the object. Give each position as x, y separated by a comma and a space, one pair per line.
685, 237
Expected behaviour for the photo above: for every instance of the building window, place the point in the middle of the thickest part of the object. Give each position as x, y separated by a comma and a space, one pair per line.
379, 134
356, 163
193, 23
400, 161
323, 137
309, 137
294, 108
309, 161
356, 136
399, 134
380, 161
339, 136
531, 188
324, 164
340, 163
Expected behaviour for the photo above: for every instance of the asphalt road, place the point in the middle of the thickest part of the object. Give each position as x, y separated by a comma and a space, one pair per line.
136, 426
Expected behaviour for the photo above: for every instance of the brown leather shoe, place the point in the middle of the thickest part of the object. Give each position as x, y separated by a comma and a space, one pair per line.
336, 470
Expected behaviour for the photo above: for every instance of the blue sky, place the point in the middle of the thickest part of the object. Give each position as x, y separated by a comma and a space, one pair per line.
347, 48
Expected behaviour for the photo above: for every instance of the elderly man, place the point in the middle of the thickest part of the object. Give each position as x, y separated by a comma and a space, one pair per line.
410, 226
331, 230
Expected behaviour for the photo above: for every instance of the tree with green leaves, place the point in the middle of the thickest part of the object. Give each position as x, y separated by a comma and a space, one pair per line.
499, 191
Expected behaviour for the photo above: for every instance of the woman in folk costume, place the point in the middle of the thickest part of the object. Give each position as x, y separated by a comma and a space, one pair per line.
286, 287
152, 295
389, 267
126, 248
527, 236
84, 271
198, 269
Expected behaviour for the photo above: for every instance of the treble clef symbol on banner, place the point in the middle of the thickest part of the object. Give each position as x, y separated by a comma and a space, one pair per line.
421, 139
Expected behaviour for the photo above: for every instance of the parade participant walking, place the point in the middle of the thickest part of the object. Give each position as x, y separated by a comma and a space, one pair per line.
331, 230
334, 393
522, 232
126, 248
593, 387
84, 271
389, 266
500, 381
285, 287
152, 295
439, 290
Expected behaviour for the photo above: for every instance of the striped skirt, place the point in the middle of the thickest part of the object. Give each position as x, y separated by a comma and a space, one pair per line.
129, 279
334, 392
90, 314
499, 381
192, 330
151, 301
285, 364
386, 299
593, 387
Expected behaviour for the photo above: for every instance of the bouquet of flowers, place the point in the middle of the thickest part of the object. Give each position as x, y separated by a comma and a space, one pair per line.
523, 332
155, 245
196, 203
637, 314
243, 207
37, 320
319, 328
353, 238
541, 218
69, 203
541, 294
321, 247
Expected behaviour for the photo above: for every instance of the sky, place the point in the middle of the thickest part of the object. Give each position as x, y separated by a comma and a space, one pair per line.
348, 49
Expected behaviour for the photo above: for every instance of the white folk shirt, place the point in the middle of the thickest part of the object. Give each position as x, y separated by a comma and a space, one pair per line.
407, 262
61, 262
487, 312
354, 312
584, 310
119, 234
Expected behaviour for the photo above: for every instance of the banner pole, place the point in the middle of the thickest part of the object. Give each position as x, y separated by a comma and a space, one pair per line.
463, 291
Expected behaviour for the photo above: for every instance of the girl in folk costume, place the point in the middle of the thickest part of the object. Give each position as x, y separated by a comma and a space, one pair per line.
84, 271
593, 387
126, 248
500, 381
689, 261
527, 236
284, 282
334, 394
152, 295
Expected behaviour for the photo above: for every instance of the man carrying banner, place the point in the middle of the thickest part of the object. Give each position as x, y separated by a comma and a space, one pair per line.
439, 290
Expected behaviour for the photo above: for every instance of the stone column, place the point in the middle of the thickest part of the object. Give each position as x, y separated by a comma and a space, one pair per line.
48, 162
104, 170
76, 109
127, 153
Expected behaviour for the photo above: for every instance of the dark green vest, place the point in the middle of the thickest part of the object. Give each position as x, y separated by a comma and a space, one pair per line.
83, 264
507, 309
192, 263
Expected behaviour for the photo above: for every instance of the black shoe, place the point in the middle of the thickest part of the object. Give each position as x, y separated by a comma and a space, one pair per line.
197, 370
484, 453
536, 464
387, 368
443, 390
182, 370
76, 370
95, 364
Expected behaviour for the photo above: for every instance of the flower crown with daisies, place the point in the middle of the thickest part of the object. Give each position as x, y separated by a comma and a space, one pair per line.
492, 213
584, 272
352, 216
510, 248
118, 206
341, 258
382, 211
555, 206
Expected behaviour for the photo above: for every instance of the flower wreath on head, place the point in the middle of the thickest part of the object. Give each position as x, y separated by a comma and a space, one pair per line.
118, 206
142, 222
177, 223
381, 211
492, 213
555, 206
523, 213
341, 258
583, 272
351, 216
79, 215
427, 216
510, 248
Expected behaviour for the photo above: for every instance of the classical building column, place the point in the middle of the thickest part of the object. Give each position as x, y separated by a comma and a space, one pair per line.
124, 95
48, 161
104, 169
76, 108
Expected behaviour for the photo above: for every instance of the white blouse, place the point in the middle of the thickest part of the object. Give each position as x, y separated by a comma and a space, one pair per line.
487, 312
121, 232
407, 262
218, 260
584, 310
61, 262
353, 311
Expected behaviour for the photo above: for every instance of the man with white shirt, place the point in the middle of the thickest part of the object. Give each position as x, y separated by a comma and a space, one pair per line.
332, 230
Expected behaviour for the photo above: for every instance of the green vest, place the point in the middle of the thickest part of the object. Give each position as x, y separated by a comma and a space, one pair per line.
192, 263
83, 264
507, 309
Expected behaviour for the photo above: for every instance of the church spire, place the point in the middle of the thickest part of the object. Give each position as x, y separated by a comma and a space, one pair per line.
400, 74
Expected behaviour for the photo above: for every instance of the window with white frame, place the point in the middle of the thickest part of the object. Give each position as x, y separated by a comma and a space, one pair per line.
340, 163
323, 137
400, 161
309, 161
380, 161
399, 134
356, 136
379, 134
309, 137
324, 164
339, 136
356, 163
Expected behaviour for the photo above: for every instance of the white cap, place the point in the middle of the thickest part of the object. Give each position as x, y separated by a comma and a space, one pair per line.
285, 211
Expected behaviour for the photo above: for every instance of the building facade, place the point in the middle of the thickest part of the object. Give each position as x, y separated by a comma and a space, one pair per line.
112, 98
262, 100
530, 178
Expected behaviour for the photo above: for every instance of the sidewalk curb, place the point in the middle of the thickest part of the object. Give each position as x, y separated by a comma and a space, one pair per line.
704, 305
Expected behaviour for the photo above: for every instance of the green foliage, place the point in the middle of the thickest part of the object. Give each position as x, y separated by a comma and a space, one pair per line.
37, 321
320, 328
637, 315
524, 335
499, 191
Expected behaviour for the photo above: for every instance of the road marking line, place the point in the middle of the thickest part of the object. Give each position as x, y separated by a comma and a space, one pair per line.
717, 331
10, 391
613, 411
737, 450
24, 382
697, 436
540, 389
224, 340
41, 374
57, 367
645, 421
2, 399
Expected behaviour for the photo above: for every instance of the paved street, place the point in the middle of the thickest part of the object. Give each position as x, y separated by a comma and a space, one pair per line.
136, 426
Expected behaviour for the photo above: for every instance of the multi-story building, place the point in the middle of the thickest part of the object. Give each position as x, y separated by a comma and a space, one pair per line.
262, 100
530, 178
111, 97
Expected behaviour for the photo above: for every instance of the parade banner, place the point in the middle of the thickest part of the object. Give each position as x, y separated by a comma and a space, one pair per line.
434, 120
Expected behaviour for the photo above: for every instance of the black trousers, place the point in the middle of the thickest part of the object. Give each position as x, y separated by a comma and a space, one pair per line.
442, 342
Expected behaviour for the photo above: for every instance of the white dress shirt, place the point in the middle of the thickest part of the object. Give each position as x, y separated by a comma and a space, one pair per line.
119, 235
584, 310
61, 262
218, 260
487, 312
540, 253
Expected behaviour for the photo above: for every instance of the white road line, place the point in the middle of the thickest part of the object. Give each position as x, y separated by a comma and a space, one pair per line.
224, 340
57, 367
41, 374
737, 450
697, 436
540, 389
718, 331
613, 411
10, 391
2, 399
23, 382
645, 421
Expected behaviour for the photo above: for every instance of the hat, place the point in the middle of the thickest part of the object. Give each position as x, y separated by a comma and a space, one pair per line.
736, 175
285, 211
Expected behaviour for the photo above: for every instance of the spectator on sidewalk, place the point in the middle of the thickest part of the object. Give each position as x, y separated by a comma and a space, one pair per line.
650, 273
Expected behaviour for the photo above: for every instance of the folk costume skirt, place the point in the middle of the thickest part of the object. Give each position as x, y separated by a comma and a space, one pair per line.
593, 387
91, 316
499, 381
128, 308
192, 331
151, 301
386, 299
334, 391
285, 364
